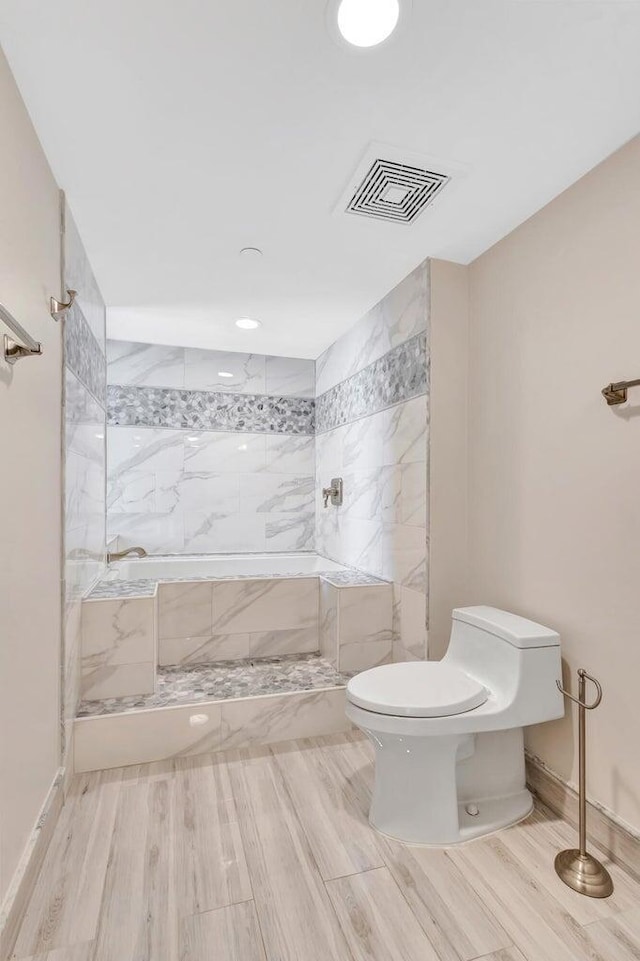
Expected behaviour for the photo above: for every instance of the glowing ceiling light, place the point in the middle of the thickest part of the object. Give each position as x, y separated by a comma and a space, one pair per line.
246, 323
366, 23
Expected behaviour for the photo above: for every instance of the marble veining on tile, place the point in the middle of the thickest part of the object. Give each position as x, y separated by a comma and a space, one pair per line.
84, 455
209, 410
194, 368
111, 587
399, 375
231, 679
138, 588
372, 429
398, 317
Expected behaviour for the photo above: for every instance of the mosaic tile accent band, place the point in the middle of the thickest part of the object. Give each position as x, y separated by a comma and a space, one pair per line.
209, 410
399, 375
83, 354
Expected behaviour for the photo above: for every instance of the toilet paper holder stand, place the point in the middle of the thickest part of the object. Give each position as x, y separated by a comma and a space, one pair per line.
576, 867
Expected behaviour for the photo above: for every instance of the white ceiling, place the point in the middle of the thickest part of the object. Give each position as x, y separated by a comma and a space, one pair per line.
182, 132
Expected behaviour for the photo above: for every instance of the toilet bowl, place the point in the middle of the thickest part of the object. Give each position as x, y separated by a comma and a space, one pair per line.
448, 735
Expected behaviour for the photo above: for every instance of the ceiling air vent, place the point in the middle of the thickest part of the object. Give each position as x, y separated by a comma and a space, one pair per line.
395, 191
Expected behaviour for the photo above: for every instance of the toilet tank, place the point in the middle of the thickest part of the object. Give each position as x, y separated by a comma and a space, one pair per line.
517, 660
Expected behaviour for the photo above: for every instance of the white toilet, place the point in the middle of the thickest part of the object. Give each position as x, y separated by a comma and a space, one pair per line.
448, 734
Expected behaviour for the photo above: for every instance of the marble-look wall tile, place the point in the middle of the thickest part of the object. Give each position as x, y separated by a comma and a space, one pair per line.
118, 631
148, 365
365, 655
207, 370
144, 449
192, 651
217, 491
228, 452
198, 650
276, 493
413, 621
396, 377
118, 680
364, 627
287, 454
328, 622
184, 609
373, 431
283, 717
290, 376
118, 740
84, 461
204, 621
399, 316
156, 365
157, 533
199, 462
250, 606
365, 614
298, 640
215, 533
290, 532
119, 644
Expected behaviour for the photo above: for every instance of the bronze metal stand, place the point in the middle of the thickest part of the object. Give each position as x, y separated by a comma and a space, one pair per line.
580, 870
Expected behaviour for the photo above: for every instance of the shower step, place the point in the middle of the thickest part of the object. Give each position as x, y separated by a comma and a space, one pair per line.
250, 677
213, 708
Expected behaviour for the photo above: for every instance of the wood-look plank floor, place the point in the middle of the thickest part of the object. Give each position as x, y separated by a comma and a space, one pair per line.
267, 855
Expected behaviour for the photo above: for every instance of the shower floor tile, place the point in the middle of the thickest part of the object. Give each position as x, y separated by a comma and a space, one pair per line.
224, 680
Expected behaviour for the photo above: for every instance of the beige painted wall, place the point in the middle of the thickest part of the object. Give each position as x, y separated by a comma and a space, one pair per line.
30, 398
448, 467
554, 474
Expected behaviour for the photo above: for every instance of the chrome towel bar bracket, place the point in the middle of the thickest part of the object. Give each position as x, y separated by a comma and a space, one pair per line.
617, 393
13, 349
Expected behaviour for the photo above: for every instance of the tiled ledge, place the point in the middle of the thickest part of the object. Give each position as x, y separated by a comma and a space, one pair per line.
131, 628
106, 589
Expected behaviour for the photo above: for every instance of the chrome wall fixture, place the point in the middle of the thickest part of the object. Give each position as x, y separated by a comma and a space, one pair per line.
130, 551
58, 308
333, 493
13, 349
576, 867
617, 393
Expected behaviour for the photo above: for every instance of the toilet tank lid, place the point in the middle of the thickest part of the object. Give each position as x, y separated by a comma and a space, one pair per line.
510, 627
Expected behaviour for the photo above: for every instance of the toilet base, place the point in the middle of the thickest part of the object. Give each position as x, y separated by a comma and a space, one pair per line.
445, 789
494, 814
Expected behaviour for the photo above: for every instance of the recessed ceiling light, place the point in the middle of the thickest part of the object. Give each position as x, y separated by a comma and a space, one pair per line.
224, 373
251, 253
246, 323
366, 23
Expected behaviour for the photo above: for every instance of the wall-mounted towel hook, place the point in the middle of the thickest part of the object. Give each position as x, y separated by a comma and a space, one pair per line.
617, 393
58, 308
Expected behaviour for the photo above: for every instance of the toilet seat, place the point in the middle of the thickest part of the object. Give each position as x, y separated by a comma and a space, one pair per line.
416, 689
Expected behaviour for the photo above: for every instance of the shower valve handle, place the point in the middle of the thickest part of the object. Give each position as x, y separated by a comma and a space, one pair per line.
333, 493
